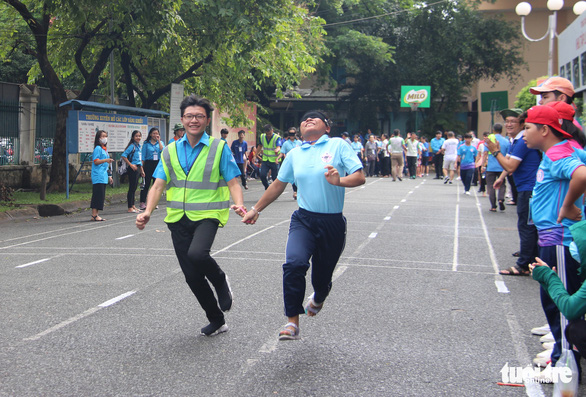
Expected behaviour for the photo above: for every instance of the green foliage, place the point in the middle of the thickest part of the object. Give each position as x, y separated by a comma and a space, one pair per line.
448, 46
525, 99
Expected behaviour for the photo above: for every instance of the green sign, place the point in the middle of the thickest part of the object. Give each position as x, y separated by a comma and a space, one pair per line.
415, 94
494, 101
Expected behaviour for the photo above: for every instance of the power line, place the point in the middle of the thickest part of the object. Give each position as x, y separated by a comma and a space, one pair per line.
383, 15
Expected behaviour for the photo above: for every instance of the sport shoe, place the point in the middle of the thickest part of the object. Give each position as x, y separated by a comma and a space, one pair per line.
446, 179
225, 296
467, 193
545, 354
547, 338
541, 361
142, 206
543, 330
545, 376
548, 345
450, 182
214, 329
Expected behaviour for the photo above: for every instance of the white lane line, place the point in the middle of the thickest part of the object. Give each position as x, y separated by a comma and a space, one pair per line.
33, 263
387, 218
396, 207
372, 235
123, 237
501, 286
116, 299
456, 230
73, 319
403, 200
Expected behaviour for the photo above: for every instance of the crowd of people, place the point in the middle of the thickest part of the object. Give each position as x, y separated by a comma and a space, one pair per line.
541, 158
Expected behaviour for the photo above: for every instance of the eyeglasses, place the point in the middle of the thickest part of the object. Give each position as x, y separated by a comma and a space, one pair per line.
199, 117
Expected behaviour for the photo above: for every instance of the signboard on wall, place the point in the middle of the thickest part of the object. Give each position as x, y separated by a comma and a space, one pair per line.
572, 53
82, 128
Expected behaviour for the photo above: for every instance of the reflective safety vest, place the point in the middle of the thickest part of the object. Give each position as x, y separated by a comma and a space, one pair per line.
268, 148
203, 193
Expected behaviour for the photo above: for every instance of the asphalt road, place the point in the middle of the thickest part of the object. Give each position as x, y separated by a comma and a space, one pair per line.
417, 309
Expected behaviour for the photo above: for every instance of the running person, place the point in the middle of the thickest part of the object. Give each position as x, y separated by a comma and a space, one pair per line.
322, 167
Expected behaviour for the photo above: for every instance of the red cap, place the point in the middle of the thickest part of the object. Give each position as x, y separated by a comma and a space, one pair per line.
546, 115
565, 110
555, 83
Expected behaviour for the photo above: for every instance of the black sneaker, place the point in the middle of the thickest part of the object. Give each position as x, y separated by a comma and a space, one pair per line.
225, 296
214, 328
501, 205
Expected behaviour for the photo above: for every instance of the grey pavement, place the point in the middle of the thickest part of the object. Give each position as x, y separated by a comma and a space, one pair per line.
417, 307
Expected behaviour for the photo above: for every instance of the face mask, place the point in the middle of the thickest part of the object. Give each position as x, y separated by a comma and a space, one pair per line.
103, 141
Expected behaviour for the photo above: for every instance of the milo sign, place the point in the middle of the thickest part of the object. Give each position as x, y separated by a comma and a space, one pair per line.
411, 95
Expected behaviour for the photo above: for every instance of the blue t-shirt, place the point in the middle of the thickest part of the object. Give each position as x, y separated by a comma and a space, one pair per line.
305, 166
357, 146
239, 150
100, 171
151, 151
467, 156
187, 156
526, 172
288, 145
136, 157
493, 163
551, 186
436, 144
425, 153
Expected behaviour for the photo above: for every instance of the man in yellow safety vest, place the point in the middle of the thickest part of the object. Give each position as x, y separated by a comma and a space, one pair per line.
271, 146
199, 174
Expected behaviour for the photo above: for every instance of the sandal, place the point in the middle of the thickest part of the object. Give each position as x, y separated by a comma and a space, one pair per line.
95, 219
492, 210
291, 332
312, 308
514, 271
501, 205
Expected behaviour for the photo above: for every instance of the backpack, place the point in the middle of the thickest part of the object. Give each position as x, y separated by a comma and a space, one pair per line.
122, 166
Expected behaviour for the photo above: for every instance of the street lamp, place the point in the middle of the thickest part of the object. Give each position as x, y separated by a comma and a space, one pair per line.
523, 9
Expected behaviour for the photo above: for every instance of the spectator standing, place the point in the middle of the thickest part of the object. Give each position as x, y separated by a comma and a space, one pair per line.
371, 150
271, 145
522, 163
239, 148
435, 149
132, 156
450, 153
386, 157
290, 144
413, 151
178, 132
397, 148
424, 157
151, 153
467, 159
101, 175
494, 169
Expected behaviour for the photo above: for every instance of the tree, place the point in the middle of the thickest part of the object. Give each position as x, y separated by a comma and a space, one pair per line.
448, 46
221, 49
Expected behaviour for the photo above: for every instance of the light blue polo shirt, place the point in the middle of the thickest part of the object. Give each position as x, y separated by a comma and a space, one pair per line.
305, 166
187, 155
150, 151
289, 145
493, 164
133, 154
100, 171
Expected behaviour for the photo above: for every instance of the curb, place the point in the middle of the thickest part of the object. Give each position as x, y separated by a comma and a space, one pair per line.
47, 210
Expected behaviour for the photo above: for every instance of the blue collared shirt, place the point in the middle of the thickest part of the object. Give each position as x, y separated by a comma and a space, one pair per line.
151, 151
187, 156
136, 156
305, 166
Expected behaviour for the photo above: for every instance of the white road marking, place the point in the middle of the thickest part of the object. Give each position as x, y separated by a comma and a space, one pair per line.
403, 200
73, 319
501, 286
33, 263
123, 237
372, 235
387, 218
396, 207
456, 243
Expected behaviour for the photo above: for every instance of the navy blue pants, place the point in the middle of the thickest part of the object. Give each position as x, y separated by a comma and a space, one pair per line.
527, 233
567, 268
264, 170
315, 236
467, 175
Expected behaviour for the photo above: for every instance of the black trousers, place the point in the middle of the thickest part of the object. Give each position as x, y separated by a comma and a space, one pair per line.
149, 169
576, 335
132, 185
264, 170
513, 187
98, 196
242, 173
192, 242
438, 162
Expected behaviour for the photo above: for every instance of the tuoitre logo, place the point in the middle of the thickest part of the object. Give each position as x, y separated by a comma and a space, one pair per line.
416, 96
